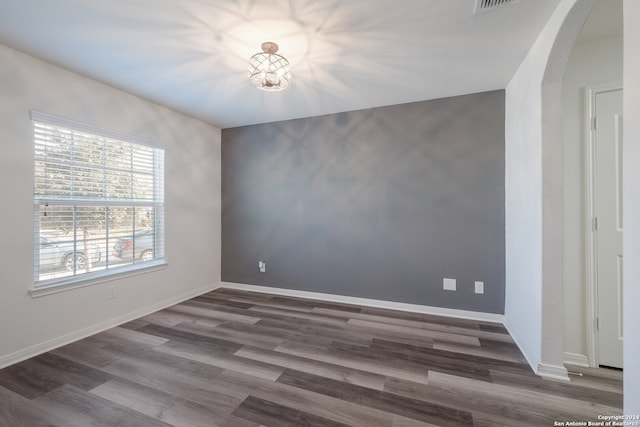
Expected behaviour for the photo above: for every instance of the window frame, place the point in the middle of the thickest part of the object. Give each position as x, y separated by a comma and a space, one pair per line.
157, 204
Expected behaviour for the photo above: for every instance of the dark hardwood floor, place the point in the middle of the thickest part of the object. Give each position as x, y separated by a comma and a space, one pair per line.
235, 358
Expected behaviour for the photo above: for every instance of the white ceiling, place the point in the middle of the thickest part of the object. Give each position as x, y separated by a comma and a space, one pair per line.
192, 55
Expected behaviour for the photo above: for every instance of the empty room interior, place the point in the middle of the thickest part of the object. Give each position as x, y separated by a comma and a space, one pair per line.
340, 213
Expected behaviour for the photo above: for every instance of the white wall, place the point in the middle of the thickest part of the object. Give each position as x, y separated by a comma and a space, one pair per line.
631, 213
192, 191
594, 62
523, 219
533, 303
528, 133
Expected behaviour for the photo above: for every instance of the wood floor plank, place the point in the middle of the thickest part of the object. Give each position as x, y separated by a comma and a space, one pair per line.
311, 303
292, 329
292, 315
47, 372
115, 343
493, 328
66, 371
272, 304
207, 311
572, 391
438, 326
599, 379
171, 364
320, 405
422, 317
408, 407
267, 314
231, 332
230, 302
303, 304
222, 360
303, 331
18, 411
90, 355
20, 379
190, 337
354, 362
166, 318
79, 407
388, 335
227, 293
181, 378
399, 330
505, 345
424, 358
134, 324
253, 335
272, 414
488, 352
455, 360
136, 336
160, 405
486, 411
327, 370
552, 407
284, 324
235, 358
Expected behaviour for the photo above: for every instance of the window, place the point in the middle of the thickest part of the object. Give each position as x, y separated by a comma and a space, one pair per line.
98, 202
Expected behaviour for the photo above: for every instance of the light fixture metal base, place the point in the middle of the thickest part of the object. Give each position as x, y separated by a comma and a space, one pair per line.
269, 47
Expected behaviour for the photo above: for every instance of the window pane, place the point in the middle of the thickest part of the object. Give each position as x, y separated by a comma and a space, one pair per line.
121, 220
98, 202
58, 251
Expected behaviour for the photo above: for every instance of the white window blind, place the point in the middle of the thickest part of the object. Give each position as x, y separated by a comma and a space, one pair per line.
98, 201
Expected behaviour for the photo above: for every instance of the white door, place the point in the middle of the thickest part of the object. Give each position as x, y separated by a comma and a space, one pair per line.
608, 225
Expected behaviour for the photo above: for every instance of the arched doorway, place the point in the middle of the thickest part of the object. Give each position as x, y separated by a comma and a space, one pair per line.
592, 79
534, 307
552, 348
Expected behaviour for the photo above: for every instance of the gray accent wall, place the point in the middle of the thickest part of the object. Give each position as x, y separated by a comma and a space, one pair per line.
381, 203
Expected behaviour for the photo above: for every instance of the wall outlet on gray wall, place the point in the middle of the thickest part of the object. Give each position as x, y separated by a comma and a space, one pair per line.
262, 266
449, 284
479, 287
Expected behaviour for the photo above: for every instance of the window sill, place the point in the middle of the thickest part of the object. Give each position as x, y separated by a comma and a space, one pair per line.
38, 291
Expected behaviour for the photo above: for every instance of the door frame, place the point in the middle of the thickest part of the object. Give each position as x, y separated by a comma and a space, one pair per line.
591, 240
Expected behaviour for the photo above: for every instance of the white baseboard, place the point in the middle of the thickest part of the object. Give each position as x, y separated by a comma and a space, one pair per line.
54, 343
553, 372
414, 308
576, 359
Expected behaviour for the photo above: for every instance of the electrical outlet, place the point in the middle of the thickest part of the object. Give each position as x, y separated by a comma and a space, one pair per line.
449, 284
262, 266
479, 287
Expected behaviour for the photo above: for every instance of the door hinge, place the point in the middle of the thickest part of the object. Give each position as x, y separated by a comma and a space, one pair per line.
594, 123
595, 223
596, 322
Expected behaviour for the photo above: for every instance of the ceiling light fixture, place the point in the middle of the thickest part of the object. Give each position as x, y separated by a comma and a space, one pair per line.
268, 70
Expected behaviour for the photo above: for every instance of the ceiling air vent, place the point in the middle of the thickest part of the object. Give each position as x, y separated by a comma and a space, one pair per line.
487, 5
